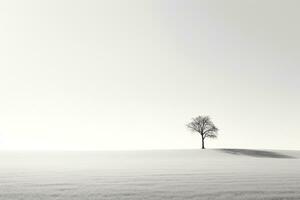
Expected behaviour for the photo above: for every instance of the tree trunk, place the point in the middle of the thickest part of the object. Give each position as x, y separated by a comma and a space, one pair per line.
203, 142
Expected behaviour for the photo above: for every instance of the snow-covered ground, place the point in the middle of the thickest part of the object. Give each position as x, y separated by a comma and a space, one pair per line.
167, 174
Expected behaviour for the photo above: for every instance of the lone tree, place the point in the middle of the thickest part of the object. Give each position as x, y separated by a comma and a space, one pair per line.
204, 126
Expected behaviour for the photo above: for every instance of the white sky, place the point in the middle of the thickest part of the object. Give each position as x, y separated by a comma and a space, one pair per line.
102, 75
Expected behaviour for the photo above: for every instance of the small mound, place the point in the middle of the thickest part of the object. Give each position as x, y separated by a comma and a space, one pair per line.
256, 153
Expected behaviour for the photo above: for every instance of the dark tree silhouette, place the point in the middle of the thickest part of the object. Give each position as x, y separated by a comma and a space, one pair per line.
204, 126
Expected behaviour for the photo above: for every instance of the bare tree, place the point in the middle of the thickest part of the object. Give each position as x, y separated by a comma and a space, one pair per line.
204, 126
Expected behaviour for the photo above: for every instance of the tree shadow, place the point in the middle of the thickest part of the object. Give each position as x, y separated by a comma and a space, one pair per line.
255, 153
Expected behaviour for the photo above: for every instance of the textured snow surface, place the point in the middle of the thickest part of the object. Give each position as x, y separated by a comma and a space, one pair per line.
167, 174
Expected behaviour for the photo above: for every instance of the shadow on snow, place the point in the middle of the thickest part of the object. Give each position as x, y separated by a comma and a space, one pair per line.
255, 153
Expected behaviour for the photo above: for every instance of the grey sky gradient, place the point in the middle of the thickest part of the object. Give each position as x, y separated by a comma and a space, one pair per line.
99, 75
